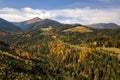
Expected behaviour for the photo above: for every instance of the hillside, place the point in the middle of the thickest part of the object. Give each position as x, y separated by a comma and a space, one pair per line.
81, 29
27, 22
7, 28
51, 53
47, 57
104, 26
37, 23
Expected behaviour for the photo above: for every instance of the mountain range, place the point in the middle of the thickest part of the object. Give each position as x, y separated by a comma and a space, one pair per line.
36, 23
7, 27
104, 26
50, 50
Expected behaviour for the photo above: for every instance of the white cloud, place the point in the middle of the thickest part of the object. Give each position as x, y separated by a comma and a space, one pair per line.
78, 15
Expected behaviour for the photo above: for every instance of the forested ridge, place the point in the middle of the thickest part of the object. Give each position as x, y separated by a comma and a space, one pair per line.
58, 55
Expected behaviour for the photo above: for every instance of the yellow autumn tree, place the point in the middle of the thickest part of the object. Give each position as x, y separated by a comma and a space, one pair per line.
94, 44
84, 53
56, 47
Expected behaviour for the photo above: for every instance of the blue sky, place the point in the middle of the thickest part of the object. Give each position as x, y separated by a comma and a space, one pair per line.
66, 11
59, 4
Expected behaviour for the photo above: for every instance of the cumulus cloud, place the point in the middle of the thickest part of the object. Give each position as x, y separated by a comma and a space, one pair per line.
78, 15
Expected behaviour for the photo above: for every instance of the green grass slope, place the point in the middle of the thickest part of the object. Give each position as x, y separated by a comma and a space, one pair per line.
81, 29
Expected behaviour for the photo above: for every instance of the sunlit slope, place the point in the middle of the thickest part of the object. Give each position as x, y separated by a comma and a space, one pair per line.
81, 29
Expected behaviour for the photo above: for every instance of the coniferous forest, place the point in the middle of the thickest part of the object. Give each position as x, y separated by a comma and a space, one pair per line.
53, 53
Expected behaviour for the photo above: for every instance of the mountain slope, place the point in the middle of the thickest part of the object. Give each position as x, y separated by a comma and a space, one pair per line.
36, 23
27, 22
7, 28
80, 28
104, 26
60, 62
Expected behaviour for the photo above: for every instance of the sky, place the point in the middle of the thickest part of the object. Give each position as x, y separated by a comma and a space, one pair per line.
65, 11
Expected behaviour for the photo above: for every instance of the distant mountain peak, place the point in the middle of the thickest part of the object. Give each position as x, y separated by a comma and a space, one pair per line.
104, 26
33, 20
36, 18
